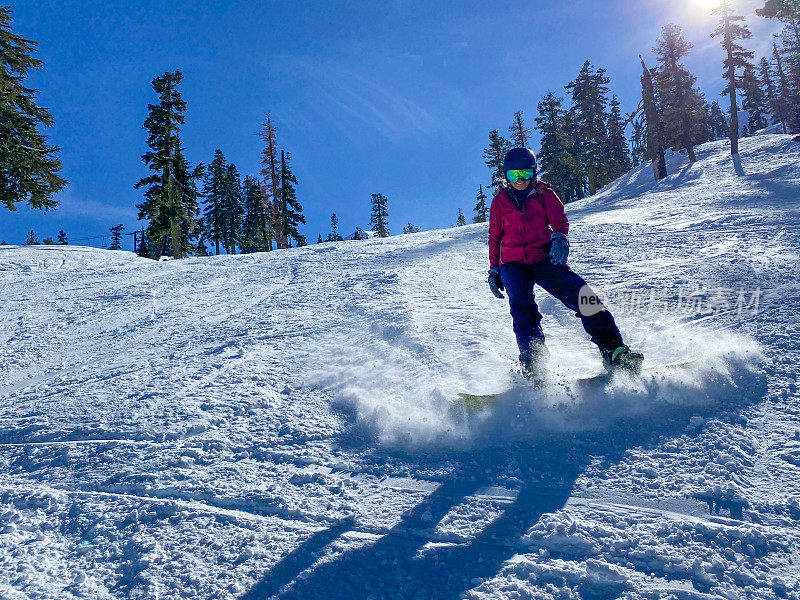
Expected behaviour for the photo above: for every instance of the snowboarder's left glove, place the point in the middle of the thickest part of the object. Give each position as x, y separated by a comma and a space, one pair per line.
559, 248
495, 283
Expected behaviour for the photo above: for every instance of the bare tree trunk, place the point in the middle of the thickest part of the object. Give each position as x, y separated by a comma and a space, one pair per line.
734, 130
784, 95
655, 144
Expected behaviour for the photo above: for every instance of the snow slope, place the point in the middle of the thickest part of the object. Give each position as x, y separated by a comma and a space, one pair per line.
284, 424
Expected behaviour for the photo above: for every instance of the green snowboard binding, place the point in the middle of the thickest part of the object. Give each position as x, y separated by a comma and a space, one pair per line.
622, 358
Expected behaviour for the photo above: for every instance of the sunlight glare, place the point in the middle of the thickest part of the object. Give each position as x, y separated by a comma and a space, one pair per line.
708, 4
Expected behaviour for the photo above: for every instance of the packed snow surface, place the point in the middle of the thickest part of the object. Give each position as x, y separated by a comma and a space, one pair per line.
287, 424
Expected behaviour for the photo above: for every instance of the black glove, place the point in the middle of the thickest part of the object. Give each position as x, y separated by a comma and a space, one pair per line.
495, 283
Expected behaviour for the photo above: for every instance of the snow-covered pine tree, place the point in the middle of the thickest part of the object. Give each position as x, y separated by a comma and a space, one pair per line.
410, 228
214, 190
589, 102
493, 157
270, 189
520, 134
682, 104
754, 102
28, 165
170, 202
481, 210
460, 220
291, 212
619, 160
116, 237
737, 59
380, 212
773, 100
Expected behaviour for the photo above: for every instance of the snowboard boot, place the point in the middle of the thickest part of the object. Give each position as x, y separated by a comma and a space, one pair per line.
622, 358
534, 362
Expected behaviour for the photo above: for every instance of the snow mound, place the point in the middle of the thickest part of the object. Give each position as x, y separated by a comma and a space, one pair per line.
54, 258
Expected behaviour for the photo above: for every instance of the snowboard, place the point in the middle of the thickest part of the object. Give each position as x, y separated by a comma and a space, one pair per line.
477, 402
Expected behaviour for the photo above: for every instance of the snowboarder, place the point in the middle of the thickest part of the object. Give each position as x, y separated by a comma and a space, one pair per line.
528, 245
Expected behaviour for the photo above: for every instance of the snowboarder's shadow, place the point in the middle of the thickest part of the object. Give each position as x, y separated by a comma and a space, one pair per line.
403, 563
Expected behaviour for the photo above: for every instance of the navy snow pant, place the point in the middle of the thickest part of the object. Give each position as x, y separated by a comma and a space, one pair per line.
563, 283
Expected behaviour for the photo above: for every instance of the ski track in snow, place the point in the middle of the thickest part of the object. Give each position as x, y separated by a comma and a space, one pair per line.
283, 425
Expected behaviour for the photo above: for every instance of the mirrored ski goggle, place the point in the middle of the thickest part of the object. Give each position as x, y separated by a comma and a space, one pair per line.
515, 175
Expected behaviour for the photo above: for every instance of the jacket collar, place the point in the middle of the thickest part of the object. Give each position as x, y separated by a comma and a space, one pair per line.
533, 190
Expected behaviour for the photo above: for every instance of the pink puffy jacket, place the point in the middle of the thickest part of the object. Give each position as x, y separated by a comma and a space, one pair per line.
521, 235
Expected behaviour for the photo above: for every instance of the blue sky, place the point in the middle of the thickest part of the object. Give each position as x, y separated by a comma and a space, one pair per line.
393, 96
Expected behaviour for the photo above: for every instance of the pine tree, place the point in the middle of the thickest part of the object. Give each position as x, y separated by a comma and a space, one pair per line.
737, 58
704, 132
682, 105
291, 212
788, 98
319, 238
755, 102
170, 198
271, 184
481, 210
116, 237
619, 161
334, 236
187, 202
772, 98
558, 162
655, 124
143, 250
31, 239
62, 238
493, 156
200, 245
719, 123
589, 102
214, 190
232, 209
253, 226
359, 234
788, 13
639, 141
28, 165
380, 212
519, 133
410, 228
460, 220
